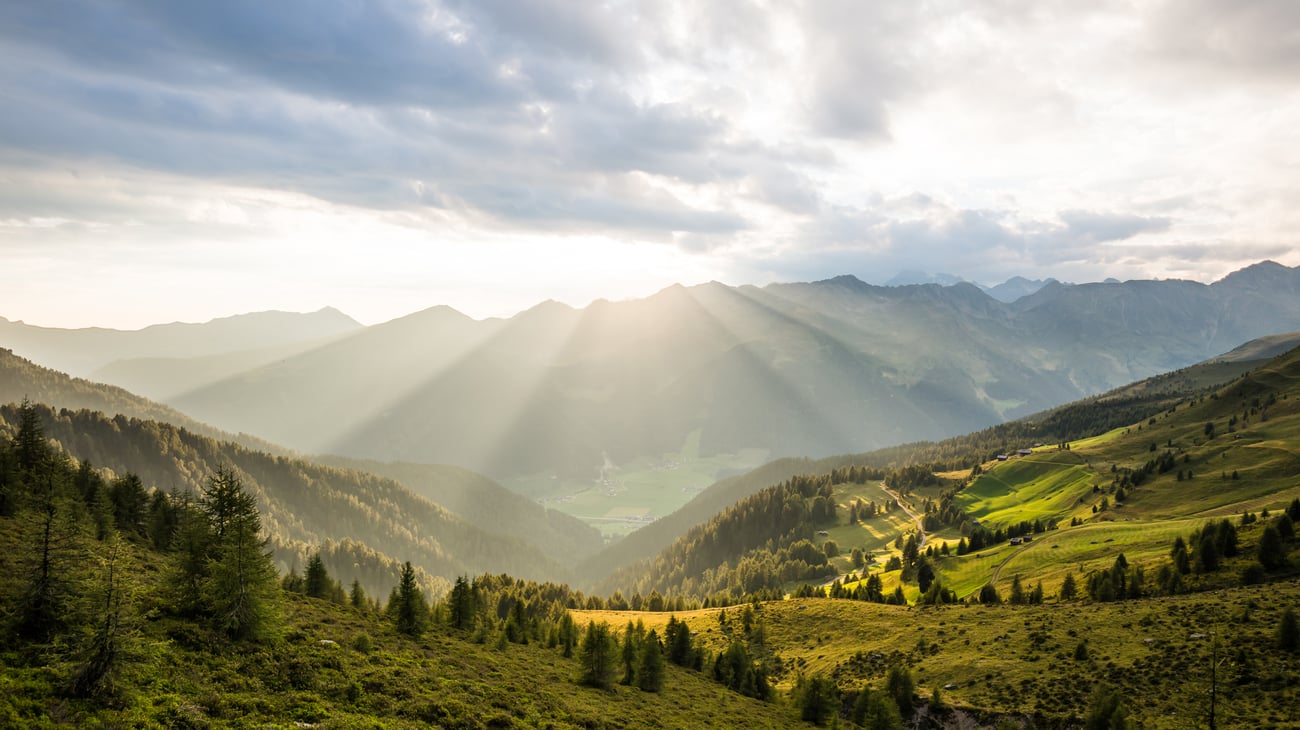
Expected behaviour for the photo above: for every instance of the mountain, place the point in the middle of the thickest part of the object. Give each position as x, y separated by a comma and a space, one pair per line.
487, 505
345, 500
1015, 288
81, 352
1135, 477
836, 366
912, 277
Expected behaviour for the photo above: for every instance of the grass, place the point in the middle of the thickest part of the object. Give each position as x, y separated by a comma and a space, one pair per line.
1020, 659
643, 488
442, 680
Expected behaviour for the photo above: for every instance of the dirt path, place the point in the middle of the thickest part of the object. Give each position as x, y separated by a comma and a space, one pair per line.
920, 525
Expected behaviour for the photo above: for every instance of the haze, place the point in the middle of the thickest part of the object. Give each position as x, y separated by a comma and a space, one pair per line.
163, 161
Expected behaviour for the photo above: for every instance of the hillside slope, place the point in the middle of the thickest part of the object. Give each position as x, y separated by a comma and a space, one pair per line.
1145, 425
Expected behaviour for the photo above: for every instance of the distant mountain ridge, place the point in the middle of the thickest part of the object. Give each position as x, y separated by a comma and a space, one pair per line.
80, 352
800, 369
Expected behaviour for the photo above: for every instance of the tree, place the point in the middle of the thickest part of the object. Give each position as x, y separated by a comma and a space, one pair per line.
410, 610
1106, 711
241, 592
630, 654
55, 544
1017, 596
900, 688
678, 635
130, 504
357, 596
875, 710
989, 595
463, 604
650, 670
1207, 553
598, 656
114, 633
1069, 591
1178, 554
816, 697
1288, 634
1272, 552
317, 583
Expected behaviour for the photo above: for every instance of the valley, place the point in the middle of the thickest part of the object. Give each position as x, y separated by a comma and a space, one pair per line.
1003, 571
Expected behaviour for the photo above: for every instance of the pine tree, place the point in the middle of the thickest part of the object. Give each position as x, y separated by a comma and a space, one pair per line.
357, 596
114, 634
876, 710
242, 591
899, 685
463, 604
650, 669
55, 541
598, 656
1272, 552
1288, 633
317, 583
410, 611
1107, 711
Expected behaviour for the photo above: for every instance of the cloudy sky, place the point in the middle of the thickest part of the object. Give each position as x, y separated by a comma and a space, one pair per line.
166, 160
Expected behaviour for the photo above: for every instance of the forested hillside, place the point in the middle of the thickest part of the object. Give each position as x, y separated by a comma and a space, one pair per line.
487, 505
105, 589
352, 516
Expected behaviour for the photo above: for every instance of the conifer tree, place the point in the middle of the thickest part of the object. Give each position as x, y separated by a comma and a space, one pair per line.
410, 611
650, 669
317, 583
598, 656
1288, 633
113, 636
242, 591
357, 596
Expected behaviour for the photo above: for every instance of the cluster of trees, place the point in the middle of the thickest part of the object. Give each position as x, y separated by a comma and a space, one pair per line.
80, 534
819, 701
301, 503
749, 549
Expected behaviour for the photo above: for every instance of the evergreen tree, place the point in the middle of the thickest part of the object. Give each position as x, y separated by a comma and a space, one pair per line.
130, 504
1106, 710
1272, 551
55, 545
241, 592
1288, 633
817, 698
316, 582
463, 604
899, 686
410, 610
876, 710
113, 637
189, 569
630, 655
989, 595
357, 597
598, 655
1017, 596
650, 669
1069, 591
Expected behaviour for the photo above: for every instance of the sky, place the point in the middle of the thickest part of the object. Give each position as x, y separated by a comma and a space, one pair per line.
165, 161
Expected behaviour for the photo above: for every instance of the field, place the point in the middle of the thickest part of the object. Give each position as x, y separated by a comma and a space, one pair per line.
627, 496
1021, 659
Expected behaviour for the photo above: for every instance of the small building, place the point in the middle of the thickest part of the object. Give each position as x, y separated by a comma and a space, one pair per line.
1016, 541
1029, 538
1003, 457
822, 533
1025, 452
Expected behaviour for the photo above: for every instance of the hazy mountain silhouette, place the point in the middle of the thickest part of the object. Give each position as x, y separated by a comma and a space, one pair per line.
809, 369
81, 352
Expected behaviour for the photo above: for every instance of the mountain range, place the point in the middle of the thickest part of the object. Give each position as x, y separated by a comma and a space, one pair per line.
801, 369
